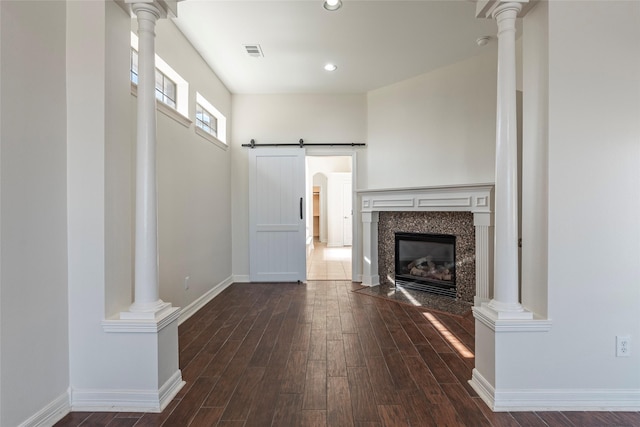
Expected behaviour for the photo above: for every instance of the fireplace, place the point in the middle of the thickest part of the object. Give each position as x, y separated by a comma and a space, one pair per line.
465, 211
426, 262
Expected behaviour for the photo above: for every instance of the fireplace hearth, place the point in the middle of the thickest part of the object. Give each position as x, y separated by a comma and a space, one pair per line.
426, 262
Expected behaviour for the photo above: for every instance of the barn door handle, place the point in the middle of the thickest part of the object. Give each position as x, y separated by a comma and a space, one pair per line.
301, 208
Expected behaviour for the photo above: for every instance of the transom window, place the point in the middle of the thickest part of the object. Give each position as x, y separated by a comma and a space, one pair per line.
171, 89
206, 121
165, 89
134, 66
210, 122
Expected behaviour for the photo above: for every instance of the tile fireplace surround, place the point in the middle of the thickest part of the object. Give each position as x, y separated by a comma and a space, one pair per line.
474, 198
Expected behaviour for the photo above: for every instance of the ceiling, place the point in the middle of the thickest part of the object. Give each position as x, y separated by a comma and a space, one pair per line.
374, 43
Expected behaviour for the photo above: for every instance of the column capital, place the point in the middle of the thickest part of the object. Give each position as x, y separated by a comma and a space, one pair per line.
370, 216
162, 8
489, 8
500, 12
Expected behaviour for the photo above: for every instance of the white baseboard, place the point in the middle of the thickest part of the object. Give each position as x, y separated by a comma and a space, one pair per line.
127, 400
170, 389
241, 278
192, 308
483, 387
554, 400
50, 414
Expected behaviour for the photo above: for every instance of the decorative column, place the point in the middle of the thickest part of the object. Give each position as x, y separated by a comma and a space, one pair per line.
505, 302
147, 303
500, 324
146, 334
370, 275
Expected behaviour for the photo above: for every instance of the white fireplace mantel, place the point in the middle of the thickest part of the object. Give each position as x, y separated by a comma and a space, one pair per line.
474, 198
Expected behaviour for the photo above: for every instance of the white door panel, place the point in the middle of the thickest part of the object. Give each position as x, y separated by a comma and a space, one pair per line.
347, 205
339, 201
276, 209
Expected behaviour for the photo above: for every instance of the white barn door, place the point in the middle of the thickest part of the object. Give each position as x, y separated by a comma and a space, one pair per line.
276, 215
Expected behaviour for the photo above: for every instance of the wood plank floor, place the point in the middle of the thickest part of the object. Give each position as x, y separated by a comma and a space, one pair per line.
318, 354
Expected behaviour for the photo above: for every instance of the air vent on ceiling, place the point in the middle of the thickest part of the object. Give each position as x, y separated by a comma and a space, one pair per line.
253, 50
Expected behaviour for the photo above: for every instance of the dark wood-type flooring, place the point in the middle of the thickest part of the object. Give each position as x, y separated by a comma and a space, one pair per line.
318, 354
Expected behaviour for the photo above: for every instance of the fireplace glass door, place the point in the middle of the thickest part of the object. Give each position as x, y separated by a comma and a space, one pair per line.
426, 262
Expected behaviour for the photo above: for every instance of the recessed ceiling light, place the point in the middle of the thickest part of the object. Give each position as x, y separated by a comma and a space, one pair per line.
332, 5
330, 67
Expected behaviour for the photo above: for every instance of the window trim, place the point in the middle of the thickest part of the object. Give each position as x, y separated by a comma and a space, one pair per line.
215, 141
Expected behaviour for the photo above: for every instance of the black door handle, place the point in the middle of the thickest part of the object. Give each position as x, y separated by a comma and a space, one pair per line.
301, 217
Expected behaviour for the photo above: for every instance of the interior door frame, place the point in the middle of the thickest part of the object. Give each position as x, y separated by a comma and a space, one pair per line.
356, 247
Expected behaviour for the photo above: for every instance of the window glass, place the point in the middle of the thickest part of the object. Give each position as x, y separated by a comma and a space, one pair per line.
134, 66
165, 89
210, 119
206, 121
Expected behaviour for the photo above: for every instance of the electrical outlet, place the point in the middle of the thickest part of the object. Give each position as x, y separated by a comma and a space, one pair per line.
186, 282
623, 346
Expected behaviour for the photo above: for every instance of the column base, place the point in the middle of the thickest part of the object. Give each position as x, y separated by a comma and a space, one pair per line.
501, 310
153, 311
478, 301
140, 363
370, 280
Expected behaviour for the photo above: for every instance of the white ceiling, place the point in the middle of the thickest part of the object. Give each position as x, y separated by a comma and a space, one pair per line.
374, 43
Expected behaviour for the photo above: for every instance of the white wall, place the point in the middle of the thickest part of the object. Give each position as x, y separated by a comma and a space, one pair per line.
535, 159
194, 192
34, 369
284, 118
91, 351
594, 106
593, 205
119, 167
437, 128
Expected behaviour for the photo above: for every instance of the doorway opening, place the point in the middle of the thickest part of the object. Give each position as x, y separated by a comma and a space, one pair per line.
329, 217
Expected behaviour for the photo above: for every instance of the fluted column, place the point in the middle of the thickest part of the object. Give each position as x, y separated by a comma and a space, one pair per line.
483, 224
370, 275
505, 300
147, 302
